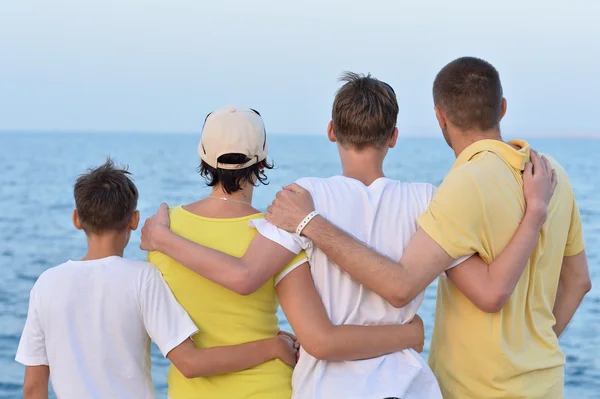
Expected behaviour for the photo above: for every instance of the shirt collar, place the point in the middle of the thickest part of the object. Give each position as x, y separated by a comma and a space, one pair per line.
515, 158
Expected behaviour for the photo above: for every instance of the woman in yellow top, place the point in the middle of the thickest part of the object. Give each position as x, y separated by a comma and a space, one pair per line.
233, 150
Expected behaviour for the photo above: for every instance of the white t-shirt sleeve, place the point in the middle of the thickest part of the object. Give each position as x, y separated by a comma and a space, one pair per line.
166, 322
458, 261
290, 241
32, 347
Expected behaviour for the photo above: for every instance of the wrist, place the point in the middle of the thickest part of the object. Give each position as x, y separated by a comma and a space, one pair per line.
417, 335
274, 345
312, 226
161, 238
535, 215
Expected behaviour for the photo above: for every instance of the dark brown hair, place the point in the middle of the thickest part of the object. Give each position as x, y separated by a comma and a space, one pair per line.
232, 180
105, 198
470, 92
364, 112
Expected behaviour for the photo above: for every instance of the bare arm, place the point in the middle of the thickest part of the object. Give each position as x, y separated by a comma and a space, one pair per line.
574, 283
195, 362
326, 341
263, 259
35, 385
396, 282
423, 259
490, 286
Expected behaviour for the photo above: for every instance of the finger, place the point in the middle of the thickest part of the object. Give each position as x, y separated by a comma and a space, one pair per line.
292, 336
294, 188
537, 163
528, 172
548, 166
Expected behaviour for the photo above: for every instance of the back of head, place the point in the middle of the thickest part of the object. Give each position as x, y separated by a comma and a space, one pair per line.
364, 112
105, 198
233, 149
469, 91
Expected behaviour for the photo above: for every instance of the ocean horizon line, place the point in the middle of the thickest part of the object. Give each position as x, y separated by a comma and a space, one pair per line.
428, 135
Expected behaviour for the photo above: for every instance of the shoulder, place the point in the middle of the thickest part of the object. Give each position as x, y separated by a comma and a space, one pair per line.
556, 165
144, 271
52, 279
419, 189
419, 192
52, 274
463, 177
308, 183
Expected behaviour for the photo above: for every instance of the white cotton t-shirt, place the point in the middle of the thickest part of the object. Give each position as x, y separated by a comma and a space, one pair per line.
92, 321
384, 216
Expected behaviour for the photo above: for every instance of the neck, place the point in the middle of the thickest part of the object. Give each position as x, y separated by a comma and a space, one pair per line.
461, 139
243, 195
105, 245
364, 165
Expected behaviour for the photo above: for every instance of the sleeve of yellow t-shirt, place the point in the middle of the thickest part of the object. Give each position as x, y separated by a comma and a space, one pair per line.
575, 243
454, 218
298, 260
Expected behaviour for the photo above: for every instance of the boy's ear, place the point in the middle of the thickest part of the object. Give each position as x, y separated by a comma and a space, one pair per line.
76, 221
394, 138
134, 221
330, 132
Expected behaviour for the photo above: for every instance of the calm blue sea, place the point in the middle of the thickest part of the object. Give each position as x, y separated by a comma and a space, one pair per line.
37, 172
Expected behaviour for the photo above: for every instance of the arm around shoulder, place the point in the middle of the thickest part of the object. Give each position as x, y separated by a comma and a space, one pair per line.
324, 340
195, 362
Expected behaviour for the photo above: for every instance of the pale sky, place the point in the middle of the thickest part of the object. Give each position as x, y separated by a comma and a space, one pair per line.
161, 66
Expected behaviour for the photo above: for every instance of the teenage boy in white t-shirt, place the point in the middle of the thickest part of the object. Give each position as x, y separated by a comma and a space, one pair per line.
90, 322
376, 210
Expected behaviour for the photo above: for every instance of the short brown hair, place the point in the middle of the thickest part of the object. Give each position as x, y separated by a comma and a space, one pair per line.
364, 112
469, 90
105, 198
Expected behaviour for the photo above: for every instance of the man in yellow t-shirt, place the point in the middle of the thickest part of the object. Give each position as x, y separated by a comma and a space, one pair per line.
497, 327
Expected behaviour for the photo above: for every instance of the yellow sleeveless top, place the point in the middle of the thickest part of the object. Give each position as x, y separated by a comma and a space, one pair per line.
222, 316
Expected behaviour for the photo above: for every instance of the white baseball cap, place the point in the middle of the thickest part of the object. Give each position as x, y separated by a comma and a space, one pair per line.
233, 130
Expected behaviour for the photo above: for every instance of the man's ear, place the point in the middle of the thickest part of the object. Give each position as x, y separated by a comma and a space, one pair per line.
76, 221
441, 117
394, 138
330, 132
134, 221
503, 109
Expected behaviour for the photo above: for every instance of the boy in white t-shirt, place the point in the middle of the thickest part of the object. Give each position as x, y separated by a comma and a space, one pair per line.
90, 322
378, 211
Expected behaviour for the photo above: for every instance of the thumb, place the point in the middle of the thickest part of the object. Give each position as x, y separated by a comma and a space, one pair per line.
294, 188
163, 208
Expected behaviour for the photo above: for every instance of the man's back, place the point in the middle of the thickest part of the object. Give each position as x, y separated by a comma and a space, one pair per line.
383, 215
515, 352
88, 320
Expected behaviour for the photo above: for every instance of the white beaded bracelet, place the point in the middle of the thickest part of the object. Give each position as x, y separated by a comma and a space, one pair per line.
305, 221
